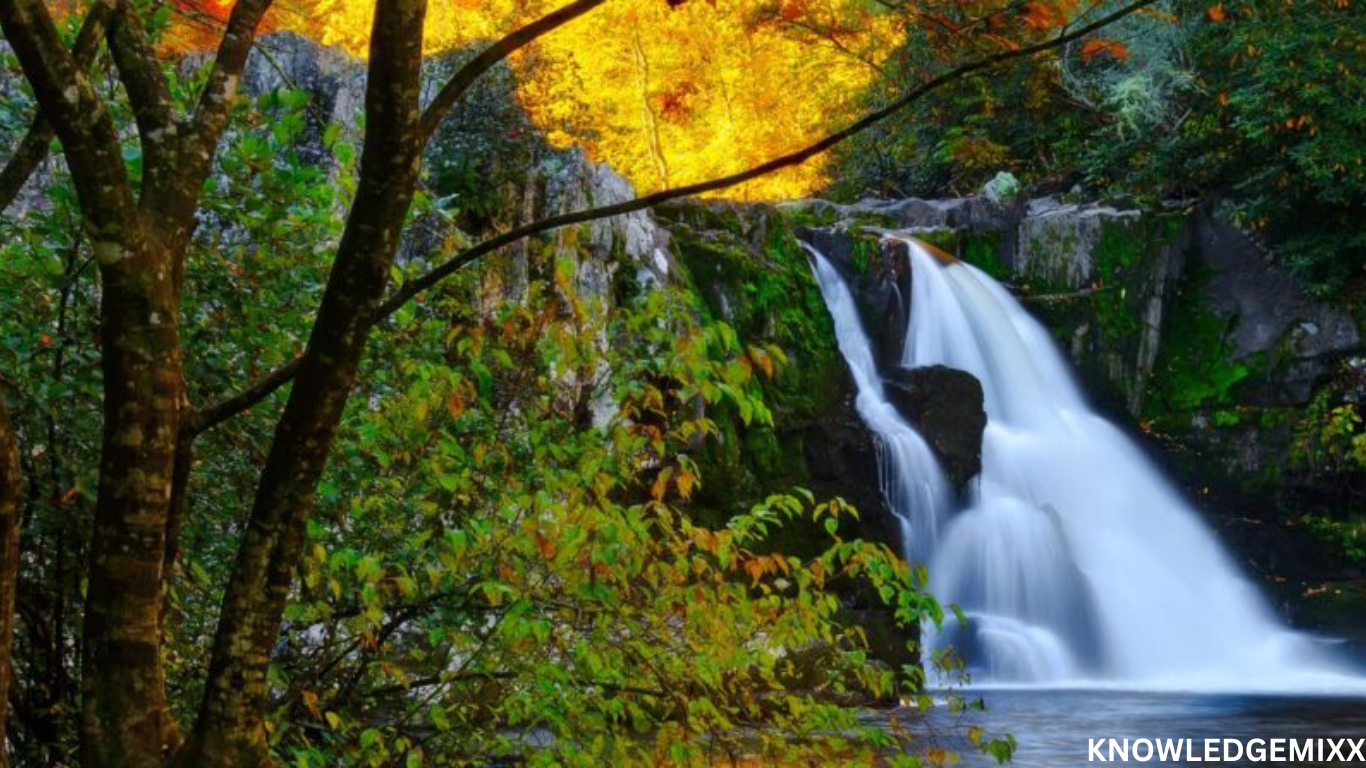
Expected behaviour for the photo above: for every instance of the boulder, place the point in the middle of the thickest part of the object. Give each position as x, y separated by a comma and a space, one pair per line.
841, 458
946, 406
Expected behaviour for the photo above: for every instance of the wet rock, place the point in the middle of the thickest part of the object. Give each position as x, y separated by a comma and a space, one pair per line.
946, 406
878, 273
979, 213
841, 454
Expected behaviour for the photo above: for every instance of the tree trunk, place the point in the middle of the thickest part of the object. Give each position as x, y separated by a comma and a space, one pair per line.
11, 491
230, 730
124, 719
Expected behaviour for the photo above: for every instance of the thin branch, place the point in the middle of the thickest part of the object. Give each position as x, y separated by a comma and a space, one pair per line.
405, 293
411, 289
460, 82
215, 100
207, 418
30, 154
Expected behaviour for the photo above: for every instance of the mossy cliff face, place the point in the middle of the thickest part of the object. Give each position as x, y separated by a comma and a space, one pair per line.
1103, 279
746, 268
1249, 376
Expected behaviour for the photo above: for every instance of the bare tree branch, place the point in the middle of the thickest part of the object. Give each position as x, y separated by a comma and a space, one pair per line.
411, 289
207, 418
196, 150
244, 401
30, 154
460, 82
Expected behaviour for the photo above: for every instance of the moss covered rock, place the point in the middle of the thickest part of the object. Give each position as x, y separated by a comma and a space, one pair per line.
747, 269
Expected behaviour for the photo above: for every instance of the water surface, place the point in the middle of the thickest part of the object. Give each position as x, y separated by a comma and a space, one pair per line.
1052, 727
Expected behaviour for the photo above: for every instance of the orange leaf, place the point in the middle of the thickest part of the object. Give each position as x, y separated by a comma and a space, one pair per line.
1114, 49
1043, 15
764, 362
546, 546
661, 484
1216, 13
792, 11
755, 569
685, 481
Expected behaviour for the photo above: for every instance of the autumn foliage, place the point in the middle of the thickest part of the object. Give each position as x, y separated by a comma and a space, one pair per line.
671, 93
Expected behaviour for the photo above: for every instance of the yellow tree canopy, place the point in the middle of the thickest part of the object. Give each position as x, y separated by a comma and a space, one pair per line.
666, 94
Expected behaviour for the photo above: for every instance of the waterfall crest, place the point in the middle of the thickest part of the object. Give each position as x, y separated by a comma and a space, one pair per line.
1075, 562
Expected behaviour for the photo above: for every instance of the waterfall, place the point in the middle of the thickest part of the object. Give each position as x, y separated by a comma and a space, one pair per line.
912, 483
1074, 561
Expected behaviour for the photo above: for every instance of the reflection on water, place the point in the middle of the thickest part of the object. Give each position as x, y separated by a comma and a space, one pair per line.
1052, 727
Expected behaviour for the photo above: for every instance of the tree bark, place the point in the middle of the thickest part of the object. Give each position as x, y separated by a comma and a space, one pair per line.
124, 718
230, 729
123, 714
11, 495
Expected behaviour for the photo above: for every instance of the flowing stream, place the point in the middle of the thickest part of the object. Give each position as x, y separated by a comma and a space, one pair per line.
1076, 563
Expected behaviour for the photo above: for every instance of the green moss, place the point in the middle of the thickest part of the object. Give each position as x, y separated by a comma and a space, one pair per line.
1119, 250
811, 215
1343, 539
943, 239
864, 219
1196, 368
862, 257
1273, 418
984, 252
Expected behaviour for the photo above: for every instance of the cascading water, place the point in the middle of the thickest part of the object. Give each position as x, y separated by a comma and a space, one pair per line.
912, 482
1074, 561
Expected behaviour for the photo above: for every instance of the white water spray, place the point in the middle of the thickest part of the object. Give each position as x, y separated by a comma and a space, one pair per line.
1075, 562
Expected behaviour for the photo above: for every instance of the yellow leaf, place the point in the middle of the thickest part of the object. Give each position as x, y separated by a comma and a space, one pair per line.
661, 484
685, 481
311, 703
